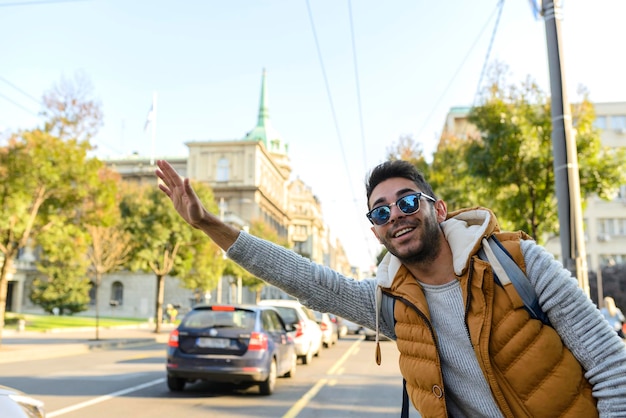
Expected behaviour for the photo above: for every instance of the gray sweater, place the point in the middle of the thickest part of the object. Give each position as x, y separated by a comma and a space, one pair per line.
577, 320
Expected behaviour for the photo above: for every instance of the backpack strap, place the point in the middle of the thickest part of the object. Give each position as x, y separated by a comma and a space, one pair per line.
506, 271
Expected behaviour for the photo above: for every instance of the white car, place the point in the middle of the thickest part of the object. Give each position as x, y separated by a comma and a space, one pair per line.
16, 404
330, 335
307, 336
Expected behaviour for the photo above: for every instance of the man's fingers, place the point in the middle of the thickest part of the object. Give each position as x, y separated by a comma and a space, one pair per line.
169, 175
166, 190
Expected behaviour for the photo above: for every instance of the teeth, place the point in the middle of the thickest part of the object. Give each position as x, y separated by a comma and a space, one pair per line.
402, 231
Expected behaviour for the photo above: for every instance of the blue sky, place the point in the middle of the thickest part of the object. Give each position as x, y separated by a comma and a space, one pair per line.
413, 60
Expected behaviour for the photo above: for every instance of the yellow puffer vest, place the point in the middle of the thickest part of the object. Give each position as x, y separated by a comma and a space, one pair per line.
529, 370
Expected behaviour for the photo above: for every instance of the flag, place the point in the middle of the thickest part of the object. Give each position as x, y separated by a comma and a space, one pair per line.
149, 118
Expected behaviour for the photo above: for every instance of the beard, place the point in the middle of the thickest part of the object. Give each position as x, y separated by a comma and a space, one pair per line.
430, 244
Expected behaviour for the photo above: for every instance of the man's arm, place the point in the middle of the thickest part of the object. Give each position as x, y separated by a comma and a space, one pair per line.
582, 328
316, 286
191, 209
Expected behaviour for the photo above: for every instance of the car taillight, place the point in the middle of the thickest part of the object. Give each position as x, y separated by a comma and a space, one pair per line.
299, 329
173, 340
258, 341
323, 326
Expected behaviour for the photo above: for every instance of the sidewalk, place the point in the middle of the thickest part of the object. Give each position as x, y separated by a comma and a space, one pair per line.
33, 345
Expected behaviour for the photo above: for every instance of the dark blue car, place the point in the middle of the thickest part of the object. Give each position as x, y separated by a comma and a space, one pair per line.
238, 344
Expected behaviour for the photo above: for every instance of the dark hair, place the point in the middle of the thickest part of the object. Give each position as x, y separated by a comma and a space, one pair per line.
397, 168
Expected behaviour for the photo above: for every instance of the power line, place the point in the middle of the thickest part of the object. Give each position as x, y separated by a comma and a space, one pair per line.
29, 3
358, 87
18, 105
20, 90
455, 74
493, 36
332, 107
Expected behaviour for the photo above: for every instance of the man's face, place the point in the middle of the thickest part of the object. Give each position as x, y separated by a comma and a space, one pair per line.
412, 238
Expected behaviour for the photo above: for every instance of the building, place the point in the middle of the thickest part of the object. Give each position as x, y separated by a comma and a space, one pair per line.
604, 221
251, 181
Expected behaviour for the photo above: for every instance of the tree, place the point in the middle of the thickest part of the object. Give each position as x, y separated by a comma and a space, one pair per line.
168, 243
44, 175
512, 159
408, 149
207, 258
64, 289
108, 251
449, 177
108, 243
70, 111
43, 180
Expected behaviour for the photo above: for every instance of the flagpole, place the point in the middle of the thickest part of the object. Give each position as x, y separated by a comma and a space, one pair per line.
154, 114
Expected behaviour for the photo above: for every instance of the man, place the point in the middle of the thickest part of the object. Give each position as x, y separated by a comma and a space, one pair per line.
451, 322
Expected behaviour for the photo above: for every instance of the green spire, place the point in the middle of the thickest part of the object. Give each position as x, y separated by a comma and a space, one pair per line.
264, 131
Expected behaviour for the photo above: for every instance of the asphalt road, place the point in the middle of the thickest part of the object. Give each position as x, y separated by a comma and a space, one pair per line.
130, 382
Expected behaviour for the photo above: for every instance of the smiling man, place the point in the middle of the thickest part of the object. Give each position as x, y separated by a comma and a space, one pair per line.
468, 347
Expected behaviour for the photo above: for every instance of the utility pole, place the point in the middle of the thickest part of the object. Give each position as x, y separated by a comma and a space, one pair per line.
565, 154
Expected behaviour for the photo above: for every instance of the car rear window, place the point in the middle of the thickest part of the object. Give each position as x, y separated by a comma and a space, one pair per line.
204, 318
289, 315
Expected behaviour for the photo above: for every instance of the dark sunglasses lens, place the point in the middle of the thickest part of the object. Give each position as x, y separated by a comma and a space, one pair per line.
380, 215
409, 204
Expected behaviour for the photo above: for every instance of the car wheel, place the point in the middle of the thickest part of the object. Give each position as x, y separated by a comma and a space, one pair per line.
175, 384
292, 370
306, 359
267, 387
319, 349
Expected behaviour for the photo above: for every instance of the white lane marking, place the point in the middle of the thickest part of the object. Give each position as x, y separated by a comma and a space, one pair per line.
306, 398
103, 398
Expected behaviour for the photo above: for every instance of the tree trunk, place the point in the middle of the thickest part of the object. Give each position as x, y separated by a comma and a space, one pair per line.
159, 302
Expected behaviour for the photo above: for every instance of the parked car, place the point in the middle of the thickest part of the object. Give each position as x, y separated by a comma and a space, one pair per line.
370, 334
329, 328
16, 404
307, 334
352, 327
342, 328
240, 344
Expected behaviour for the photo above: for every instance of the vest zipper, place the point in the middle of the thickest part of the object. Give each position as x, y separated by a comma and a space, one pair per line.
468, 298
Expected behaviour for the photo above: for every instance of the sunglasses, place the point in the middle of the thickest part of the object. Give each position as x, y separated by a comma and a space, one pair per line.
408, 204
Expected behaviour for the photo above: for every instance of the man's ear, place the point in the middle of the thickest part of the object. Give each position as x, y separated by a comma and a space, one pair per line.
442, 210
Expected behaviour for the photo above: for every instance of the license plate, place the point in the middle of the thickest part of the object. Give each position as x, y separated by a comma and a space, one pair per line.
213, 342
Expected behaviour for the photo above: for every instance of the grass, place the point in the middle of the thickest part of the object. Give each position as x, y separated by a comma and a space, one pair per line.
44, 322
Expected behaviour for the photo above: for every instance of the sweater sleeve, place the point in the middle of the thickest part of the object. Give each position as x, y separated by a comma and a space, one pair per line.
315, 286
582, 328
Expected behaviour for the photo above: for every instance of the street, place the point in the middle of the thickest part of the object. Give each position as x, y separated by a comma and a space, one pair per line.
343, 381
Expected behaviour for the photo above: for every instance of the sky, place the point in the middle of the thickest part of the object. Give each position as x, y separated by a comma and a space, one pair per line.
345, 79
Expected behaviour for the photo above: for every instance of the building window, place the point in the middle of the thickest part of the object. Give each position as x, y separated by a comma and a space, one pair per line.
618, 123
223, 170
117, 294
600, 122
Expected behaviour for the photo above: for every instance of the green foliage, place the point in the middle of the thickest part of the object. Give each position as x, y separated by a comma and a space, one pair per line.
62, 262
509, 166
448, 175
163, 235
